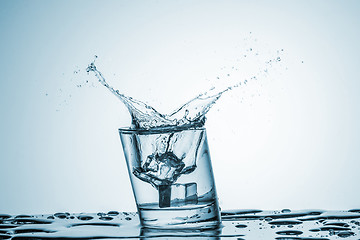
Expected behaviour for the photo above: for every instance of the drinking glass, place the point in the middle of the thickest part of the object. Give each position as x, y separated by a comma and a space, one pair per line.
171, 177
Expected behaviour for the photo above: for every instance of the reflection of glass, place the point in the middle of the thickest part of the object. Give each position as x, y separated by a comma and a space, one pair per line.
171, 177
151, 234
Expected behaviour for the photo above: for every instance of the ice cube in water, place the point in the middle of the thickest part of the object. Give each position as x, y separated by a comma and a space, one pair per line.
184, 194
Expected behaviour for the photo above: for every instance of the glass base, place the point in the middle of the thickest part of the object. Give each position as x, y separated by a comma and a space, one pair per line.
203, 215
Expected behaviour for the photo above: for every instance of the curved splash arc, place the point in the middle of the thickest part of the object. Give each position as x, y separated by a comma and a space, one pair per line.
143, 116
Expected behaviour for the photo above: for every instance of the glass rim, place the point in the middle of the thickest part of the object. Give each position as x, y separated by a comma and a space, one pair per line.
157, 130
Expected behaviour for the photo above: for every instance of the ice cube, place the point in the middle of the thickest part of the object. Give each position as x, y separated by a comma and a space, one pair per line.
183, 194
161, 169
164, 196
191, 193
170, 159
151, 164
148, 178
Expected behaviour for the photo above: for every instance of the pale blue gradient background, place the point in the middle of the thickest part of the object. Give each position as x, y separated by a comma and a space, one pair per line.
295, 146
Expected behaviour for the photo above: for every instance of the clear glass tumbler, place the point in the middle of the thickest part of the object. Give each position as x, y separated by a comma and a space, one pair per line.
172, 177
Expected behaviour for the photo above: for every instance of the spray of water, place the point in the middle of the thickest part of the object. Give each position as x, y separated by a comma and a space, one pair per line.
192, 113
143, 116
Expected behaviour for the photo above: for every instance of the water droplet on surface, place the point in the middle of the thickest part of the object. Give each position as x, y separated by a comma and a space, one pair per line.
31, 221
289, 232
241, 226
240, 212
61, 215
113, 213
345, 234
104, 218
355, 210
334, 228
85, 217
341, 224
4, 236
31, 230
285, 222
23, 216
5, 216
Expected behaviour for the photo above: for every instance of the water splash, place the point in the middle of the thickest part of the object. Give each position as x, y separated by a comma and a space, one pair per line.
142, 115
192, 113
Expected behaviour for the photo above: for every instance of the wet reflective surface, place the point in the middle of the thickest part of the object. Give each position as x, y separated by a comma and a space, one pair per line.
237, 224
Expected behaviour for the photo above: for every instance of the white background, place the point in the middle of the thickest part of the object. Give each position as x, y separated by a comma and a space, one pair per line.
288, 140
